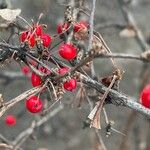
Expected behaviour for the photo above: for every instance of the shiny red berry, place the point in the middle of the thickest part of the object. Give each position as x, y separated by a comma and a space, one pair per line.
38, 30
67, 51
46, 39
80, 25
36, 80
25, 70
62, 27
70, 84
10, 120
23, 36
145, 96
63, 71
34, 104
31, 40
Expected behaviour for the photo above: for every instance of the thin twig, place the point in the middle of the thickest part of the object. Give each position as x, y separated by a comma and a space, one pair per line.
24, 95
91, 25
26, 133
100, 140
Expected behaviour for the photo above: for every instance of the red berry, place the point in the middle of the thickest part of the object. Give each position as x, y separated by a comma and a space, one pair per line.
67, 51
36, 80
145, 96
10, 120
32, 40
39, 30
70, 84
80, 25
34, 104
25, 70
63, 71
23, 36
62, 27
44, 70
46, 39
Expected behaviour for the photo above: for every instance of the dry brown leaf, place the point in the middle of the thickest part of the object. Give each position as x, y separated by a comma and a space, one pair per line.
92, 113
127, 33
146, 55
94, 116
9, 15
107, 80
95, 123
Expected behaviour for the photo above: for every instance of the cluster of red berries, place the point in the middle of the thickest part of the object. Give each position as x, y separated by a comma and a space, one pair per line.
36, 35
145, 96
33, 103
67, 51
62, 27
70, 84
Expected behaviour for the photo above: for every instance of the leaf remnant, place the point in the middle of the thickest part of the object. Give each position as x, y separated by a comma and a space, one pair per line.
9, 15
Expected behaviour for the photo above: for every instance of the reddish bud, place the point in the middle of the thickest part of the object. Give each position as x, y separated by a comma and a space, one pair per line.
31, 40
62, 27
80, 26
38, 30
63, 71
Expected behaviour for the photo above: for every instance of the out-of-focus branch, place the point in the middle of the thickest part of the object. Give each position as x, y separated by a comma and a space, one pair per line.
131, 21
100, 140
91, 22
11, 25
123, 56
6, 146
123, 145
110, 25
22, 137
26, 133
11, 75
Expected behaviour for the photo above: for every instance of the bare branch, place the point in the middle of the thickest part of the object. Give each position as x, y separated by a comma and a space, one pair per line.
131, 21
116, 98
109, 25
91, 25
123, 56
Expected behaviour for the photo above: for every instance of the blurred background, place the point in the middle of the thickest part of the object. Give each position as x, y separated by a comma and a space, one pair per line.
65, 130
